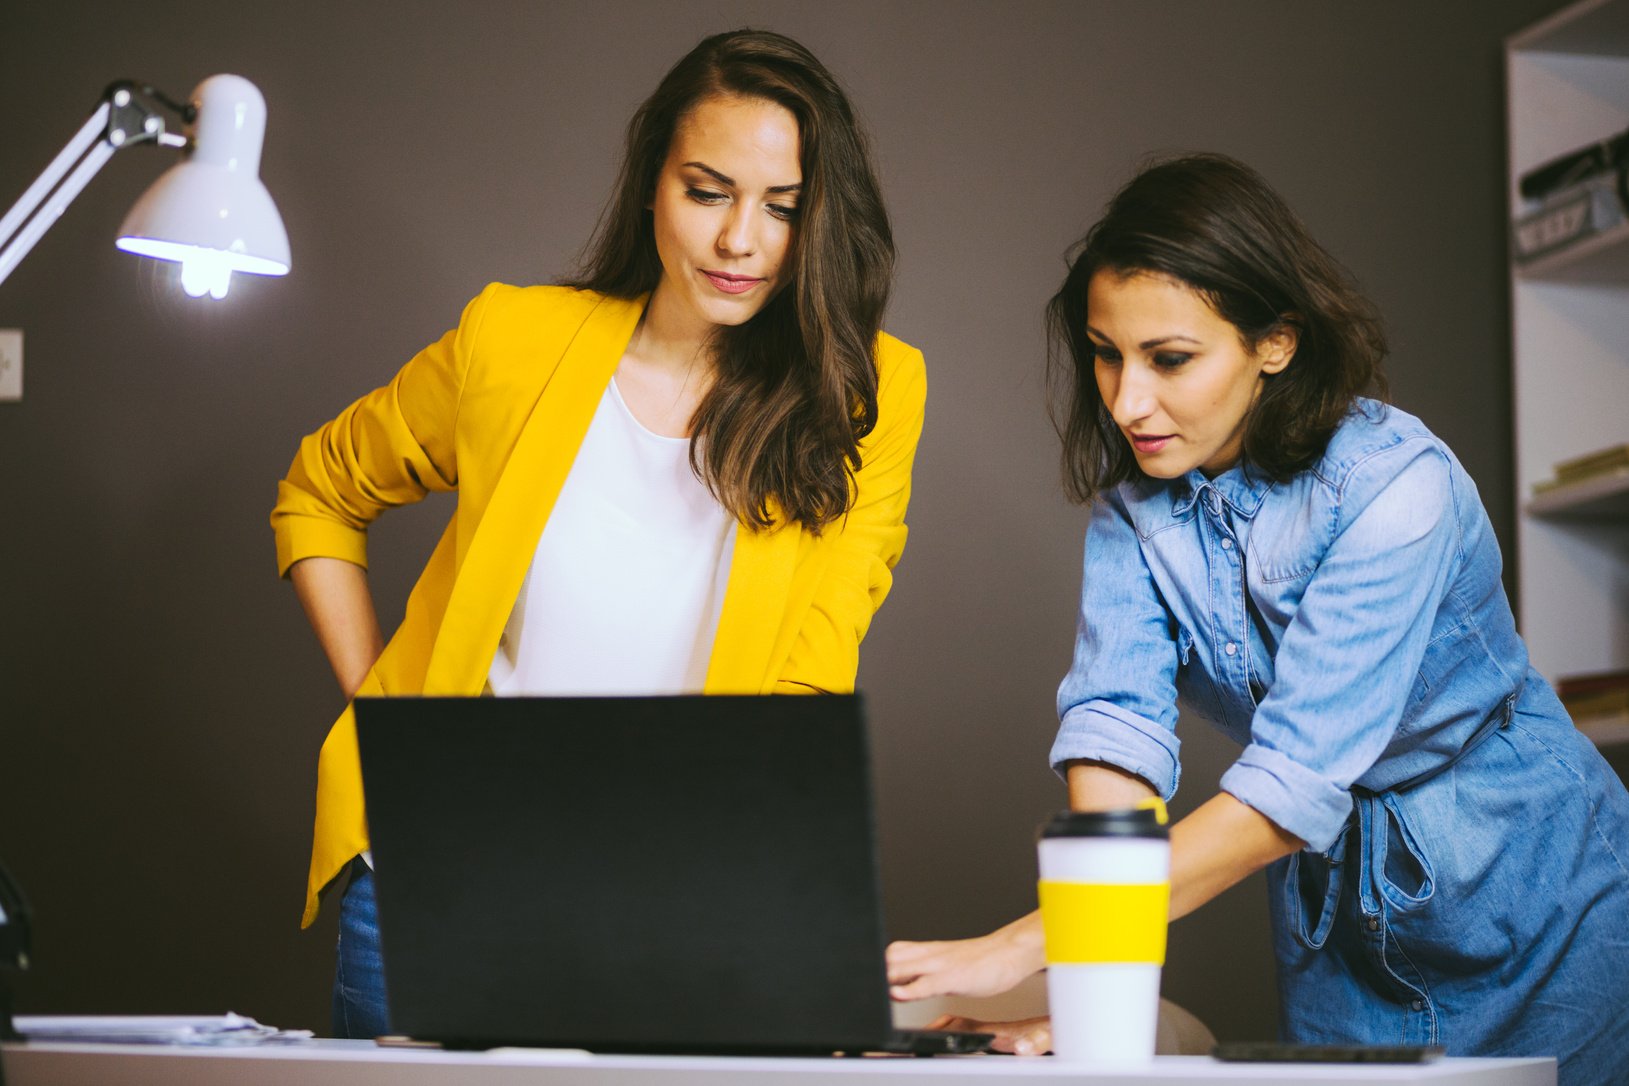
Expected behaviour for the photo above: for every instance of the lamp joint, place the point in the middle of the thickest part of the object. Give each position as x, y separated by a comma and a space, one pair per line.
132, 119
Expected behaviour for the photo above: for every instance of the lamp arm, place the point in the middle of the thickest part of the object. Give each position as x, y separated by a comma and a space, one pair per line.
120, 119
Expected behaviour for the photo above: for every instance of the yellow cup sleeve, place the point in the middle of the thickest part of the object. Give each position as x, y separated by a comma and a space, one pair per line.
1104, 922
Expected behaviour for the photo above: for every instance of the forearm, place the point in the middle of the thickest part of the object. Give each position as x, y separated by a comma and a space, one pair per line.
978, 967
1093, 786
339, 606
1098, 786
1211, 849
1217, 846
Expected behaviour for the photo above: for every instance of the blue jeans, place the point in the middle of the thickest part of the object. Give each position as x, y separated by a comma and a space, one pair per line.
359, 975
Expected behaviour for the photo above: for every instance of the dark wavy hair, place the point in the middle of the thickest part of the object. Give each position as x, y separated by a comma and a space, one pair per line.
796, 386
1215, 225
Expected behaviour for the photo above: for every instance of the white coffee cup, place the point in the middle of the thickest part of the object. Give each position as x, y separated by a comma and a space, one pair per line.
1105, 906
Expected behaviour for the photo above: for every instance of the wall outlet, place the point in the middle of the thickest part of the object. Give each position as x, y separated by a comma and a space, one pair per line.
11, 364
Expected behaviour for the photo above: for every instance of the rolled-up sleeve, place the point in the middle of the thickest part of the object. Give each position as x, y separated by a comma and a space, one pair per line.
1117, 704
389, 448
1350, 657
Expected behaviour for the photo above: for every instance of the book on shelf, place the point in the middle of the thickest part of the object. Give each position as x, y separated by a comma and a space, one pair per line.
1603, 704
1606, 730
1598, 703
1593, 465
1593, 682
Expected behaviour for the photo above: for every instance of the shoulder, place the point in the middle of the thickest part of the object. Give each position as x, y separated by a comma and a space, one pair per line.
506, 309
518, 333
1374, 444
1384, 458
902, 375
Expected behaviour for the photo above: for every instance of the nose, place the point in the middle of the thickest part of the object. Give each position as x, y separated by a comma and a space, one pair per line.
737, 235
1128, 392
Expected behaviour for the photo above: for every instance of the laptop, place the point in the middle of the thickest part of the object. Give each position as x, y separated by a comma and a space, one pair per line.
650, 874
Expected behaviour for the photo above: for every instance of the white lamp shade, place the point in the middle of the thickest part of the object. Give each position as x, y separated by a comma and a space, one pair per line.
210, 212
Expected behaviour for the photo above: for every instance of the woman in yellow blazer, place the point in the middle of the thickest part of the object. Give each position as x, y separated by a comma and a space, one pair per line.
735, 293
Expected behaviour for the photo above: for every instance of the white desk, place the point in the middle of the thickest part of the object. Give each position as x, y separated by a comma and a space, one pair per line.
361, 1063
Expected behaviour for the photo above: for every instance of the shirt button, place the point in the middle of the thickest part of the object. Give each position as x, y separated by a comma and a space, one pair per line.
1418, 1004
1374, 923
1227, 544
1230, 648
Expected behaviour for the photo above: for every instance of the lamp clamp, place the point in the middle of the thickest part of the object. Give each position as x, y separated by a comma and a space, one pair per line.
131, 119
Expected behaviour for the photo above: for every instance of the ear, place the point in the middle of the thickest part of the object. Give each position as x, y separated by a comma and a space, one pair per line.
1277, 348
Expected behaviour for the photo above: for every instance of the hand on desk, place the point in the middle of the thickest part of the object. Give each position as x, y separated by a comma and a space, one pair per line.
1027, 1037
987, 965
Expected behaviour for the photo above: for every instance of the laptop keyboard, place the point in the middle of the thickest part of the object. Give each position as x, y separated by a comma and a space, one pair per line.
937, 1042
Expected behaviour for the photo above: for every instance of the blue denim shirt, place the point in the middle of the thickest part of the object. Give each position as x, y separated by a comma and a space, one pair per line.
1347, 627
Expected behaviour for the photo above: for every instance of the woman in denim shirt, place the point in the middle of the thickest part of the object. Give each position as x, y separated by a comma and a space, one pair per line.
1313, 572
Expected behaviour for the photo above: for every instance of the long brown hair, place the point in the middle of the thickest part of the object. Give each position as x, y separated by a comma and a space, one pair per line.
1214, 224
796, 386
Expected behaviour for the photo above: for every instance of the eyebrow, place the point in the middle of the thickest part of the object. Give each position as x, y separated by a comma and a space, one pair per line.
1149, 344
724, 179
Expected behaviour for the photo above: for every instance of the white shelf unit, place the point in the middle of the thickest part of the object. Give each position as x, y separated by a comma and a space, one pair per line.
1605, 497
1567, 82
1606, 730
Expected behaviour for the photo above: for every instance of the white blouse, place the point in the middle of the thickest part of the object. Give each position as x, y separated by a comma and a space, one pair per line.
624, 592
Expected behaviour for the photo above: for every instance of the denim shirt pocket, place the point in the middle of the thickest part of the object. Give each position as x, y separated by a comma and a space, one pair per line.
1402, 870
1312, 889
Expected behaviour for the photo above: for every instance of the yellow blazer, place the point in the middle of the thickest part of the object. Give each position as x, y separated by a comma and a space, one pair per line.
496, 410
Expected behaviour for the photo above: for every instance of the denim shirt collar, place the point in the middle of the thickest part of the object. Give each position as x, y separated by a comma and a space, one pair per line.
1241, 488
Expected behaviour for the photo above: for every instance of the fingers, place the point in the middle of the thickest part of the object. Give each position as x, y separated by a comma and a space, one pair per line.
903, 956
1028, 1037
984, 966
919, 988
954, 967
915, 970
1035, 1039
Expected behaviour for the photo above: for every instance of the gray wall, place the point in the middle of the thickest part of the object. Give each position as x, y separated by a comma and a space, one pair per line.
161, 700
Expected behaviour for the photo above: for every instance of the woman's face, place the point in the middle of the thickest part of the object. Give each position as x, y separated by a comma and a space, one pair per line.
725, 209
1174, 373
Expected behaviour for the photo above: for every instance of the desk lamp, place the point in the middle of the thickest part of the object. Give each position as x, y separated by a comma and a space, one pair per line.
208, 212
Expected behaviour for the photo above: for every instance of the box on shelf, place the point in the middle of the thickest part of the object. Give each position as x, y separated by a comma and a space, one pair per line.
1570, 215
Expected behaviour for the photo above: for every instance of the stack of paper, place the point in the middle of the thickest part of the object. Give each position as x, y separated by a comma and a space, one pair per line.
226, 1029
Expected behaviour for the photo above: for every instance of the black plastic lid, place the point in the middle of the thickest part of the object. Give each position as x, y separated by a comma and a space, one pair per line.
1142, 822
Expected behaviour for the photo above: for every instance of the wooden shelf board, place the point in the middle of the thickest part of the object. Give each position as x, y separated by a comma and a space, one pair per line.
1602, 257
1599, 27
1605, 729
1604, 497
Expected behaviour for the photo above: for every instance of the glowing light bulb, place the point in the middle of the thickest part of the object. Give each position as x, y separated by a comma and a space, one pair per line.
206, 271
